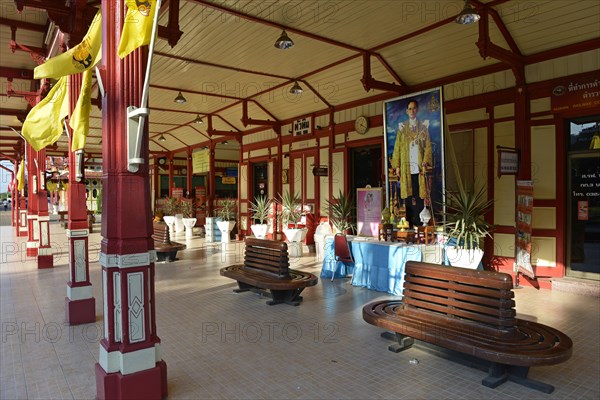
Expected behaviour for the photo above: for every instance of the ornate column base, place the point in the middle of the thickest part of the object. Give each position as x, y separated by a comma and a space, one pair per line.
80, 311
147, 384
45, 261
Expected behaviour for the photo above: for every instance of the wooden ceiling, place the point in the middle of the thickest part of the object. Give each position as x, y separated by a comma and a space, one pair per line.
226, 58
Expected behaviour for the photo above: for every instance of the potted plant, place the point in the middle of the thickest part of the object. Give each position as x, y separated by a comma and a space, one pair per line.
341, 212
227, 216
260, 212
291, 212
465, 226
174, 214
188, 217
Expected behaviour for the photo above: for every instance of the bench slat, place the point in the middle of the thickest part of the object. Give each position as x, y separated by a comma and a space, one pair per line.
486, 289
503, 300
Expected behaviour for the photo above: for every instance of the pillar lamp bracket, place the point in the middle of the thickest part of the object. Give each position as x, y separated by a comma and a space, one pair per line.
135, 129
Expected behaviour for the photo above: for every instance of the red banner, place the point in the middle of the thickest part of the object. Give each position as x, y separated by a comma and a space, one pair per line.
576, 94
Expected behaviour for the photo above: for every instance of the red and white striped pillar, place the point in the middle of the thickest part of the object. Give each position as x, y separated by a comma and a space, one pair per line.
80, 304
130, 364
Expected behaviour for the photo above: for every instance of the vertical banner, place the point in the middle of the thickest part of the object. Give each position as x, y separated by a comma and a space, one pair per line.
524, 228
368, 211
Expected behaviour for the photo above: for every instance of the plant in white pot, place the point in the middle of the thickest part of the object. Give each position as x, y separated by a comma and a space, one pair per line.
227, 217
188, 220
291, 212
465, 226
173, 215
341, 212
260, 212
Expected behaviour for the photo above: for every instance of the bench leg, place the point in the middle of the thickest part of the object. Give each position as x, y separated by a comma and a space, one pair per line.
500, 373
404, 342
291, 297
243, 287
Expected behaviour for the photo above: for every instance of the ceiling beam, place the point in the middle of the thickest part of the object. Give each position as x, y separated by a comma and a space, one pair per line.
28, 26
16, 73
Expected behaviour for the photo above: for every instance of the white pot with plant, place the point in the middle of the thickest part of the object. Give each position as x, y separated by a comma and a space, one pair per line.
188, 221
291, 212
226, 222
341, 213
260, 212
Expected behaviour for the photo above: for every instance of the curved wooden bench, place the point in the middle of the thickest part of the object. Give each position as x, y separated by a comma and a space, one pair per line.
266, 268
471, 312
165, 249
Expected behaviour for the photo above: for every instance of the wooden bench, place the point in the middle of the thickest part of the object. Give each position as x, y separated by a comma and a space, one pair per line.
267, 267
470, 312
165, 249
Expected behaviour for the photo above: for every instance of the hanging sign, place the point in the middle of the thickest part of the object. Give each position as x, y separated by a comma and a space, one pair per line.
201, 161
508, 161
228, 180
302, 127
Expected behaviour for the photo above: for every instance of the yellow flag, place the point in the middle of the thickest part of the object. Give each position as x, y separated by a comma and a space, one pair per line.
21, 176
137, 28
77, 59
44, 123
80, 119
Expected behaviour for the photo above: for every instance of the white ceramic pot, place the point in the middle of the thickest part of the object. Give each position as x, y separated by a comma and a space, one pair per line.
464, 258
295, 236
170, 221
179, 227
225, 227
259, 230
189, 225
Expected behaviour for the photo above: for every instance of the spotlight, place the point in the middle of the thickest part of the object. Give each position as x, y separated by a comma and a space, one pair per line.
296, 89
468, 15
198, 120
180, 99
284, 42
161, 138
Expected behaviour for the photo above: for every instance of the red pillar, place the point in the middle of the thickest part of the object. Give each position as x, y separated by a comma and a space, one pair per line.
80, 305
211, 178
188, 174
20, 208
130, 364
171, 175
33, 229
44, 250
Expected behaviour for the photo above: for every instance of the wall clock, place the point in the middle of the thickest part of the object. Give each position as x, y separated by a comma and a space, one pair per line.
361, 125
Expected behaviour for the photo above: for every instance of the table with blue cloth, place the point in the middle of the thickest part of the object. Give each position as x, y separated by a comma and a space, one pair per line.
377, 265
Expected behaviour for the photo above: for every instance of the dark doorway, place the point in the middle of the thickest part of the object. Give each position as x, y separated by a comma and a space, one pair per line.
259, 180
365, 167
583, 200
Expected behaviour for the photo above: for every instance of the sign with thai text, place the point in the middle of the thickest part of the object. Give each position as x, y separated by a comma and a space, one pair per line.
508, 162
576, 94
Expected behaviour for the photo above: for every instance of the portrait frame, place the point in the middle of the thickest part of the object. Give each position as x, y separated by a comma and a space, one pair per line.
431, 109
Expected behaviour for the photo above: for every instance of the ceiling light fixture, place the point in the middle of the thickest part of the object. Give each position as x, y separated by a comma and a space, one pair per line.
198, 120
161, 138
180, 99
468, 15
296, 89
284, 42
226, 142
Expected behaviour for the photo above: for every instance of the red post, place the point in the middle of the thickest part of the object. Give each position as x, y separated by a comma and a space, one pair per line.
130, 364
80, 304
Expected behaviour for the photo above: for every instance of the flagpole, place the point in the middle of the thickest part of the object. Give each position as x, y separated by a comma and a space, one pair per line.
143, 111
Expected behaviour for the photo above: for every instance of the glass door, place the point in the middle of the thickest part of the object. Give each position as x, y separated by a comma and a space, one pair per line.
583, 212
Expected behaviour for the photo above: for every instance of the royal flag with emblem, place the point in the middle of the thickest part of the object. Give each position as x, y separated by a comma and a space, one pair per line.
80, 118
44, 123
77, 59
137, 28
21, 176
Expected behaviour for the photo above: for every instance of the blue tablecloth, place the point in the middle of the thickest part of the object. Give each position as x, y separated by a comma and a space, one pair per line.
377, 265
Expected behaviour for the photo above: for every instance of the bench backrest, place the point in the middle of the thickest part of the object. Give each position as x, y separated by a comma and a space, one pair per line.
160, 233
475, 301
269, 256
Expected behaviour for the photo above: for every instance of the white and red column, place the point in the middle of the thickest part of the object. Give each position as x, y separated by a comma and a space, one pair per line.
130, 364
44, 249
80, 304
33, 227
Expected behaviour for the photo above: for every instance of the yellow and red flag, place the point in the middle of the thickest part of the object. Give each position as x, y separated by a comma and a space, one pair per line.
44, 123
80, 118
137, 28
77, 59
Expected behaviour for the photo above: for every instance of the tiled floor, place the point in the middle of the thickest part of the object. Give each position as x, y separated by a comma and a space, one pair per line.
218, 344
